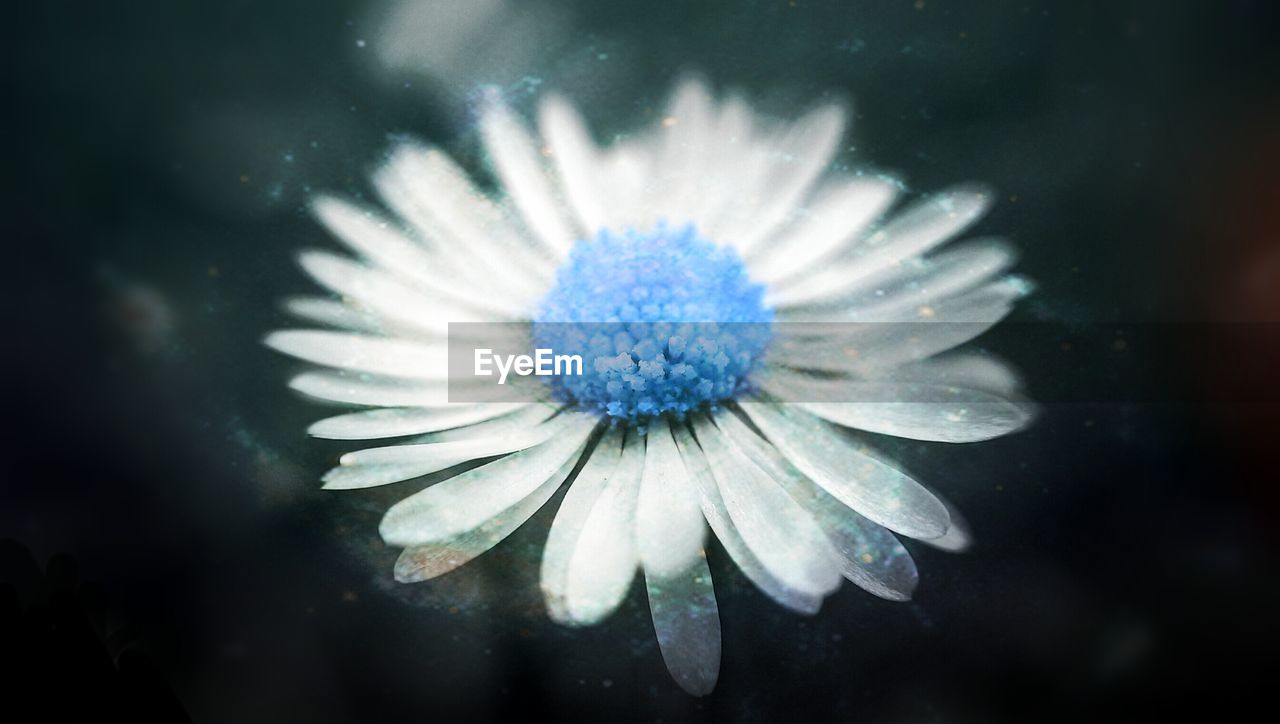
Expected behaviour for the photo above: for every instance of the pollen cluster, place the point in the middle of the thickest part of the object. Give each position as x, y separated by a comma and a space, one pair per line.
665, 322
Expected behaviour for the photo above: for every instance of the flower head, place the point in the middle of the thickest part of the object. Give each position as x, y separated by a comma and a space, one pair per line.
740, 306
667, 321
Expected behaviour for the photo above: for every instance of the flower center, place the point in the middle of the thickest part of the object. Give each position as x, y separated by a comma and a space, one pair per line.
665, 322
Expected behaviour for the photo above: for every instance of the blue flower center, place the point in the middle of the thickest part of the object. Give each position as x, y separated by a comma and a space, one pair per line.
665, 322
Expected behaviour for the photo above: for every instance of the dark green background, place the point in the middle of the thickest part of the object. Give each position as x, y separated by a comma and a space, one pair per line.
160, 154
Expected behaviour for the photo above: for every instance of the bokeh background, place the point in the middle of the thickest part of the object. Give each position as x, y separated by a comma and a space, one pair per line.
167, 550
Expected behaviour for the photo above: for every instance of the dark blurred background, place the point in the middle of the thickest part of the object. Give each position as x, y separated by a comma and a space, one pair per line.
167, 551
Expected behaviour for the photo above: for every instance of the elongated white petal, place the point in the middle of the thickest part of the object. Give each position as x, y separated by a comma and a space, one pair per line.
383, 294
717, 516
908, 235
800, 156
836, 215
744, 173
575, 158
680, 173
520, 422
669, 525
916, 410
729, 160
383, 465
426, 561
334, 314
871, 349
571, 517
440, 455
987, 302
923, 227
519, 165
687, 623
626, 178
781, 533
915, 293
374, 237
962, 369
427, 188
849, 472
363, 353
934, 421
869, 555
394, 422
959, 537
380, 241
353, 477
464, 502
358, 389
604, 559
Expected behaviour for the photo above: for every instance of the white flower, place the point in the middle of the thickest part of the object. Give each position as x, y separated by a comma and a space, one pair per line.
741, 220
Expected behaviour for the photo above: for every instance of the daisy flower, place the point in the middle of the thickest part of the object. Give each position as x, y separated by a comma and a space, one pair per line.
650, 257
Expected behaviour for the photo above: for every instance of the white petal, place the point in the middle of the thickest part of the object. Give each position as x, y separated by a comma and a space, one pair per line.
519, 165
383, 465
871, 349
363, 353
962, 369
731, 158
959, 537
374, 237
390, 249
669, 525
604, 558
680, 172
849, 472
835, 216
802, 153
426, 561
428, 189
932, 282
440, 455
566, 529
910, 234
912, 290
968, 421
575, 157
717, 516
916, 410
515, 423
779, 531
466, 501
357, 389
628, 187
387, 297
353, 477
395, 422
985, 303
869, 555
334, 314
687, 623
